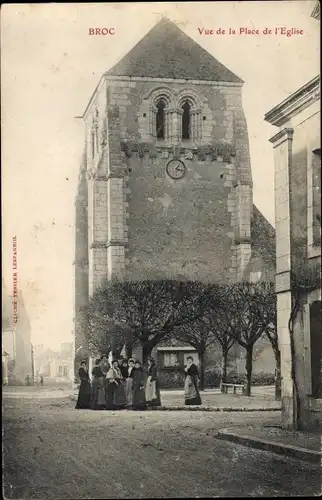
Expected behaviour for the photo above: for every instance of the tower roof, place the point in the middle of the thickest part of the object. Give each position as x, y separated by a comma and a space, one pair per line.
167, 52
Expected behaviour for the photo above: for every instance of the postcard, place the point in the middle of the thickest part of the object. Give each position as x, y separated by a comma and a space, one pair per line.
161, 249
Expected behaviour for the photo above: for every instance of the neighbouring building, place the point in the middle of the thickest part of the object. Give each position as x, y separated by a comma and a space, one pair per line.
16, 340
62, 366
297, 150
165, 184
43, 356
171, 361
55, 365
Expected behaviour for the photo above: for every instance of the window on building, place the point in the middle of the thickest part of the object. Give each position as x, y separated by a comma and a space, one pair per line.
60, 370
255, 277
175, 119
65, 371
190, 111
160, 119
171, 359
186, 121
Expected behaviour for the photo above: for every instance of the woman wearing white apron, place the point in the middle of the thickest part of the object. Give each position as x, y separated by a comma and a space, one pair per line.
152, 391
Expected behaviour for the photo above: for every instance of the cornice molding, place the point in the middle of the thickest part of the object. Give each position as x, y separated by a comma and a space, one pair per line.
242, 182
116, 243
172, 80
282, 136
112, 243
295, 103
92, 99
316, 11
98, 244
242, 240
218, 151
104, 177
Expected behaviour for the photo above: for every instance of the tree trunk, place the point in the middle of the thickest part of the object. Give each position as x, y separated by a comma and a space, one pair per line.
249, 369
146, 352
278, 389
129, 349
116, 352
224, 364
202, 370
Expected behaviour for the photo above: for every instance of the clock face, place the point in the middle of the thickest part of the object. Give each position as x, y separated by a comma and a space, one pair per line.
176, 169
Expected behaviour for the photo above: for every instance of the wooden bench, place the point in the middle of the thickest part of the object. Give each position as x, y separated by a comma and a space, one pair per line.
225, 386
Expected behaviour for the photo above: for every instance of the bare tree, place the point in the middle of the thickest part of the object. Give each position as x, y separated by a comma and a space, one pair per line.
104, 322
208, 329
198, 335
246, 315
153, 309
222, 336
147, 311
271, 333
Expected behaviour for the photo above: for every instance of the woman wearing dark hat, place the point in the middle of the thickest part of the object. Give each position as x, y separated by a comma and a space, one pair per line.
129, 384
98, 387
138, 393
124, 368
84, 393
191, 390
115, 388
152, 391
105, 366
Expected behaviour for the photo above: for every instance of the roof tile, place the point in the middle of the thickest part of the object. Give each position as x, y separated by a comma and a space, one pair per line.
167, 52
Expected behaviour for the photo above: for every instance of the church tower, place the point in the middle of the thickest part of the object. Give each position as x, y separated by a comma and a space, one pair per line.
165, 186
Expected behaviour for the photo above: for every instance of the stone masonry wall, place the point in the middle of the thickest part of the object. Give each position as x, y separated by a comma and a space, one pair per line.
81, 252
182, 228
282, 154
305, 140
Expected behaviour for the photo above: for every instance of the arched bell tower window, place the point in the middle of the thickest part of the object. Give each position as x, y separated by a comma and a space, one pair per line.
160, 125
189, 116
186, 120
160, 119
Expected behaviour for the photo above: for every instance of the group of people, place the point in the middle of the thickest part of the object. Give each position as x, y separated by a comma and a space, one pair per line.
123, 385
30, 380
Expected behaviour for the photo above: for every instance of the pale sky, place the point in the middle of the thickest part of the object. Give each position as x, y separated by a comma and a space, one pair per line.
50, 67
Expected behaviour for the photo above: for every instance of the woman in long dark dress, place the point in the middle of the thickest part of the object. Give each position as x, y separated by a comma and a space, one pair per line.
138, 392
115, 388
191, 391
105, 366
84, 393
124, 368
98, 387
152, 391
129, 384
